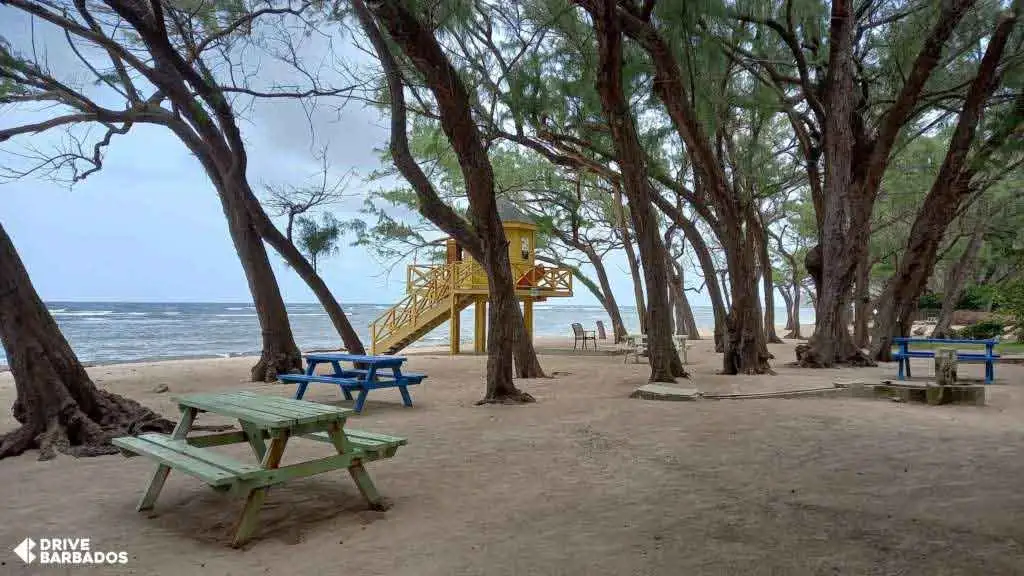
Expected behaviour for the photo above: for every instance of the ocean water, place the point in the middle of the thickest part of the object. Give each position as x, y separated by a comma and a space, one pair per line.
126, 332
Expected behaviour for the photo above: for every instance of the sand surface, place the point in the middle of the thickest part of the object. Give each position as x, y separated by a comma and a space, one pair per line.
585, 482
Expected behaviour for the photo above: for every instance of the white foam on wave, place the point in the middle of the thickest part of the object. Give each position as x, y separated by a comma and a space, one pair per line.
172, 313
235, 315
307, 314
84, 313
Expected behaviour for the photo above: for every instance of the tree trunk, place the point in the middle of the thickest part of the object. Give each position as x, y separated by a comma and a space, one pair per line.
58, 406
707, 267
956, 278
952, 184
784, 291
634, 266
280, 355
610, 304
795, 333
485, 235
746, 351
862, 303
307, 271
832, 271
767, 282
685, 322
664, 360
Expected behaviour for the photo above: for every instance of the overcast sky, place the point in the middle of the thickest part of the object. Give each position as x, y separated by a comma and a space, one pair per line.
149, 226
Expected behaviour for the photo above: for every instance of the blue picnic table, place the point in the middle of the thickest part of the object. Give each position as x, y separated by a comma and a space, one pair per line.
367, 373
904, 354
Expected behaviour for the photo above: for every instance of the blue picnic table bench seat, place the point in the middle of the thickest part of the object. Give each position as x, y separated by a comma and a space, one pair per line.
904, 354
367, 376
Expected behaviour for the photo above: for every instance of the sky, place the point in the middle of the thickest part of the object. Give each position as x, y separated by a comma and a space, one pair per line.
149, 226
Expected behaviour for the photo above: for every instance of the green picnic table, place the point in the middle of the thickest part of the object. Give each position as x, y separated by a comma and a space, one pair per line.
262, 418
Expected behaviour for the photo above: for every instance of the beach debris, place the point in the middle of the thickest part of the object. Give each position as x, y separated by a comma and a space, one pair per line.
161, 388
665, 392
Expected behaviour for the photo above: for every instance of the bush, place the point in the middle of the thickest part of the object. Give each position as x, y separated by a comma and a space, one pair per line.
929, 301
975, 297
982, 330
1011, 301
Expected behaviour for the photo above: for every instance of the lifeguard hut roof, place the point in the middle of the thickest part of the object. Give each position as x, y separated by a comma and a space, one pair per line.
509, 213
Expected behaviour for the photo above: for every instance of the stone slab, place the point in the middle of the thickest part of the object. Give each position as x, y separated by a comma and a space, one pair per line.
665, 392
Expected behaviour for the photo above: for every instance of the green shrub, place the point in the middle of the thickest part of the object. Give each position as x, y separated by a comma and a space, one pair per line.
982, 330
1011, 302
975, 297
930, 301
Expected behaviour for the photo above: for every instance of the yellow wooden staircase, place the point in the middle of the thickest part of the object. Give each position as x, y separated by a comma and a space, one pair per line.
434, 293
429, 303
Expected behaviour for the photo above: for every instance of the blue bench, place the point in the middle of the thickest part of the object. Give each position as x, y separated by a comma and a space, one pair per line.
367, 377
904, 354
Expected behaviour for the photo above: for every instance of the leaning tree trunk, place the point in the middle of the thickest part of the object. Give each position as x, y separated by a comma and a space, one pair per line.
951, 186
707, 266
953, 287
685, 323
664, 360
506, 332
637, 277
485, 235
608, 297
526, 364
58, 406
280, 355
307, 271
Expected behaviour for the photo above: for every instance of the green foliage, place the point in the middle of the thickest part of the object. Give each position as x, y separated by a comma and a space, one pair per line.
975, 297
318, 239
983, 330
930, 301
1010, 297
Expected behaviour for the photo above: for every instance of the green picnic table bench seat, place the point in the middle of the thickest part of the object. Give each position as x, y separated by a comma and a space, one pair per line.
225, 473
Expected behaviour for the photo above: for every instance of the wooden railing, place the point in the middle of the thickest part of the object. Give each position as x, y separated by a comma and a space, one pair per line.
429, 285
432, 286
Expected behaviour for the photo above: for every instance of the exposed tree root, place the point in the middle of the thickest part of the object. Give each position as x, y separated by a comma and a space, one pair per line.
806, 357
516, 396
271, 364
73, 432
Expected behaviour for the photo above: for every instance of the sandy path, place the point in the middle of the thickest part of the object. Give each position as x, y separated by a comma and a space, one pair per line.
584, 482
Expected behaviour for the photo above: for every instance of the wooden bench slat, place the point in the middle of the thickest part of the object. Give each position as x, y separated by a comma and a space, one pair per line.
200, 466
260, 405
304, 411
364, 435
216, 403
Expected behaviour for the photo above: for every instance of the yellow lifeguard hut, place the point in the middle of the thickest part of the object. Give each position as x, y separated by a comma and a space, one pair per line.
435, 294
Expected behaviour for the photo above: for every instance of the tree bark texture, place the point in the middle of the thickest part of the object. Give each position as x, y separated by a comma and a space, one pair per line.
854, 166
634, 265
664, 360
58, 406
485, 237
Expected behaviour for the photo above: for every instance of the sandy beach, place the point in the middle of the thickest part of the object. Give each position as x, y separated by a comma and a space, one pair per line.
585, 481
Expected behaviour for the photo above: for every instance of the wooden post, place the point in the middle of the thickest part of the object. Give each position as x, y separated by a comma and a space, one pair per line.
528, 317
480, 327
945, 366
455, 329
